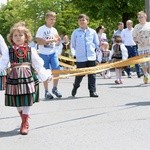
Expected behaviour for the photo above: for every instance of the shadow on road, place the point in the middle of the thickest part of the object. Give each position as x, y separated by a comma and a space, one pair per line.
105, 83
70, 120
14, 132
9, 117
130, 86
66, 98
147, 103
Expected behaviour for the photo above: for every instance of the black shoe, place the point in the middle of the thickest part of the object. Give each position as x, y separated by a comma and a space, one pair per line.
93, 94
48, 96
129, 76
74, 91
56, 93
123, 73
140, 75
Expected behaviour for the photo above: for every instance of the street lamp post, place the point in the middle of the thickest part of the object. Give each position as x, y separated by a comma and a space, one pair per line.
147, 9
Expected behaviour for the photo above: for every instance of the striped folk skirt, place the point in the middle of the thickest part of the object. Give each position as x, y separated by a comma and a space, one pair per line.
2, 80
22, 87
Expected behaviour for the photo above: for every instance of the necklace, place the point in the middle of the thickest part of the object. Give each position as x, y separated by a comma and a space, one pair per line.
20, 52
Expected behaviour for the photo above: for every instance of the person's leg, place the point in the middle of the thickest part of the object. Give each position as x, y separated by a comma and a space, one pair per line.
46, 59
26, 110
117, 76
78, 79
120, 75
144, 67
25, 117
92, 80
19, 109
138, 70
128, 69
137, 66
54, 62
145, 71
104, 74
108, 73
76, 84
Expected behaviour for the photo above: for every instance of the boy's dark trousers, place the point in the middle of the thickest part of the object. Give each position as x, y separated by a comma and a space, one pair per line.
132, 51
91, 77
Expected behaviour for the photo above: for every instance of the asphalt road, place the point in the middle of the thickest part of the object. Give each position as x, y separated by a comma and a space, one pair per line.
118, 120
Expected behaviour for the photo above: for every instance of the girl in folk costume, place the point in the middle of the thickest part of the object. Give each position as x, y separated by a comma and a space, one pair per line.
103, 57
3, 60
119, 52
22, 86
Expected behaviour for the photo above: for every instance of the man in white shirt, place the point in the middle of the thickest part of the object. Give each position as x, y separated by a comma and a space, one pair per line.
131, 46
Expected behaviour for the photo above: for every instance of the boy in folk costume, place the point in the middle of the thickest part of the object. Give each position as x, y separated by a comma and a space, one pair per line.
119, 52
22, 86
3, 60
103, 57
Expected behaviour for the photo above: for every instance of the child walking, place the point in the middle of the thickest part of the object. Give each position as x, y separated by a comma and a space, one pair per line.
103, 57
47, 37
3, 62
22, 86
84, 41
118, 52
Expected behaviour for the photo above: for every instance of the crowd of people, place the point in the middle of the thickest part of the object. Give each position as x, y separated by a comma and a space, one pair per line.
87, 45
135, 41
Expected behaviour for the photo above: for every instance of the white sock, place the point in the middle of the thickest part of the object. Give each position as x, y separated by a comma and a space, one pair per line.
19, 109
120, 73
26, 110
108, 73
117, 74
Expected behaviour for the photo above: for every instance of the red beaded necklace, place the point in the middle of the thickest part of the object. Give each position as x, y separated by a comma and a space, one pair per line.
20, 51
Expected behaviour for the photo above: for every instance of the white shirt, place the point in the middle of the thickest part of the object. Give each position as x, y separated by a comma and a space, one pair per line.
84, 42
127, 38
102, 38
45, 33
141, 33
4, 58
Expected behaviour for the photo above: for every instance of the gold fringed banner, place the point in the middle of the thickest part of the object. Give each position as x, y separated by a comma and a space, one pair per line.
101, 67
78, 74
66, 58
66, 65
129, 62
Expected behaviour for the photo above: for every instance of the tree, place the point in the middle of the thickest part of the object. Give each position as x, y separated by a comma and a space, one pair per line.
109, 12
106, 12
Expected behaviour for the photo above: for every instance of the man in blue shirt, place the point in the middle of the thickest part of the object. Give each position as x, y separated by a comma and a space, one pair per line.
84, 41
